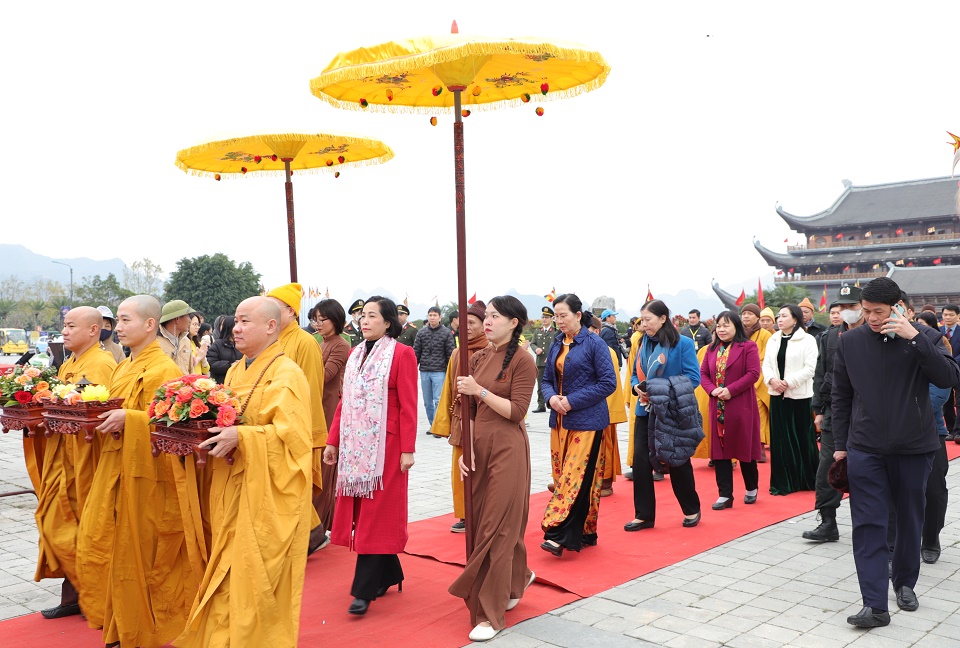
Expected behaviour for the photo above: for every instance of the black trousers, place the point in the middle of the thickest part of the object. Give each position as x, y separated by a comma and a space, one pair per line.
876, 481
724, 469
935, 511
828, 498
540, 403
950, 410
681, 478
373, 573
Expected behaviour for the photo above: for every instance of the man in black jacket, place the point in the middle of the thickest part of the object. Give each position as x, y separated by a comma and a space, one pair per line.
883, 425
828, 497
609, 334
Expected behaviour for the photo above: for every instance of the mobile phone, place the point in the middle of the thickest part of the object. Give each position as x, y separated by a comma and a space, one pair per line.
896, 313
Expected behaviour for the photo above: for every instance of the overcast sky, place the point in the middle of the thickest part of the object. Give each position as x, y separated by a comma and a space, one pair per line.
714, 112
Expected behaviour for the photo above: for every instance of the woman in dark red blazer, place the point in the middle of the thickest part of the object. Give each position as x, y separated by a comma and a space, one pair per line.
729, 372
379, 386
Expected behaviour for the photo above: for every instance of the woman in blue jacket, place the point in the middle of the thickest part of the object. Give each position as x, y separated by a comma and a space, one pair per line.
578, 377
663, 353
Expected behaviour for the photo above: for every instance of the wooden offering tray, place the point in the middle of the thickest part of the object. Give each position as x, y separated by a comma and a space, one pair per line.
182, 439
84, 416
27, 418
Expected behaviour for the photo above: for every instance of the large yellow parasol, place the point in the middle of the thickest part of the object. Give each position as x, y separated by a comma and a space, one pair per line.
276, 154
450, 72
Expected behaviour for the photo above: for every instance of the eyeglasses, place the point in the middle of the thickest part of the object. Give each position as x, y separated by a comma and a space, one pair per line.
320, 320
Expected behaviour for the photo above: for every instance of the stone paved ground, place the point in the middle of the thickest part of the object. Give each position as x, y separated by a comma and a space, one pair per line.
767, 589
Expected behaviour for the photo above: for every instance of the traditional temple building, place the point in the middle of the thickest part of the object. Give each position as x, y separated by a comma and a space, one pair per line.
906, 230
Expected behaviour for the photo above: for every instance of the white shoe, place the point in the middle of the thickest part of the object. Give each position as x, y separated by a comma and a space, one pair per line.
512, 603
483, 632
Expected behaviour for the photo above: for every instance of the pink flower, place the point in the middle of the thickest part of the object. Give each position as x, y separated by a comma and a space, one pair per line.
185, 394
226, 416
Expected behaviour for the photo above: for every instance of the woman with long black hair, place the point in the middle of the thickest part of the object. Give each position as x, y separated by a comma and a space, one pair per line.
499, 389
578, 377
664, 353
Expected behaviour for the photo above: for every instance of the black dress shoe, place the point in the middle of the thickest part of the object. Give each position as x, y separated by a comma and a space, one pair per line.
657, 476
720, 505
749, 499
383, 590
636, 526
359, 607
692, 522
628, 475
61, 611
556, 550
906, 599
867, 618
930, 555
540, 410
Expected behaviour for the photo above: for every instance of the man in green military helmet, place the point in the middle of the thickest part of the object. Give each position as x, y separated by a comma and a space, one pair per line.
409, 332
352, 329
540, 343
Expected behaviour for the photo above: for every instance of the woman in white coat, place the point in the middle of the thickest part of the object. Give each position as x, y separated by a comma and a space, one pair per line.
788, 368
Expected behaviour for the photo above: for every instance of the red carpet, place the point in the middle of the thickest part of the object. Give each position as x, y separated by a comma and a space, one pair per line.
426, 616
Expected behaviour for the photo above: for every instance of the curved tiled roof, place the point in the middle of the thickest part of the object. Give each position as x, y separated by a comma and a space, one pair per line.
896, 202
868, 254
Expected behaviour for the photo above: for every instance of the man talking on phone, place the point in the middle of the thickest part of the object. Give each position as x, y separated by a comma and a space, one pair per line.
883, 425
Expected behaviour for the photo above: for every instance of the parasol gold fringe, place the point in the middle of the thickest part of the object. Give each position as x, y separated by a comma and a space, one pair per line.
296, 137
440, 55
231, 175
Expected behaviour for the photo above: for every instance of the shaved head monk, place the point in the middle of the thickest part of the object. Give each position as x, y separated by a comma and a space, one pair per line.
135, 578
258, 556
69, 463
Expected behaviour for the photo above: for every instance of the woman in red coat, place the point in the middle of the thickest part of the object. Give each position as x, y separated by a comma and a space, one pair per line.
729, 372
372, 441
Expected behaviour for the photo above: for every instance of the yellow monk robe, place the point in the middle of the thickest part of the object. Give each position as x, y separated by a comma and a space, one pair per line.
302, 348
703, 404
761, 338
618, 414
629, 395
33, 450
444, 422
68, 465
134, 573
251, 591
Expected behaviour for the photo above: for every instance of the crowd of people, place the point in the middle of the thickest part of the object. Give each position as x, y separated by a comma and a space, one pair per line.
156, 549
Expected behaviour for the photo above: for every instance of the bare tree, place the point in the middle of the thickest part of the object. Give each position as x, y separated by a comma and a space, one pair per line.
144, 277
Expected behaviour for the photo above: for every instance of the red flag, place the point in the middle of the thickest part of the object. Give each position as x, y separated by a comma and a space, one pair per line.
739, 302
839, 236
823, 300
551, 295
760, 295
910, 264
649, 294
790, 270
937, 261
784, 240
472, 300
898, 231
845, 268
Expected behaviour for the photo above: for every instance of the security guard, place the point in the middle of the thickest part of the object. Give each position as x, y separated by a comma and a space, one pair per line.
409, 332
352, 329
540, 344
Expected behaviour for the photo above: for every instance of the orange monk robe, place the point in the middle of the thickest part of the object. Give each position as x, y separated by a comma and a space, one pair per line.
134, 573
68, 464
629, 396
618, 414
302, 348
261, 511
443, 422
703, 403
761, 337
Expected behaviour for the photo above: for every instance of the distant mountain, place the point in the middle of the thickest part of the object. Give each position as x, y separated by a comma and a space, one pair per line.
26, 265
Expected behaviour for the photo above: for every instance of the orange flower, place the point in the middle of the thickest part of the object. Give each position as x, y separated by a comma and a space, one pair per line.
226, 417
45, 394
185, 394
197, 408
72, 398
21, 380
218, 397
161, 408
43, 385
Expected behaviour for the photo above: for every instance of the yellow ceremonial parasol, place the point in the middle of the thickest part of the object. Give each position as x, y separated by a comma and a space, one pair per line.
276, 154
449, 72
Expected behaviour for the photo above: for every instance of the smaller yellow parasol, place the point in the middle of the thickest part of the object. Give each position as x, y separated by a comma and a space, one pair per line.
276, 154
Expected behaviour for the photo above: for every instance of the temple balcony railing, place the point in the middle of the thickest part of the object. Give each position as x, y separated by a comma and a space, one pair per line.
845, 276
879, 242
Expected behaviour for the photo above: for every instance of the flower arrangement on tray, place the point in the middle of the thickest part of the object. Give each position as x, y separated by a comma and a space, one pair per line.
75, 407
183, 411
21, 394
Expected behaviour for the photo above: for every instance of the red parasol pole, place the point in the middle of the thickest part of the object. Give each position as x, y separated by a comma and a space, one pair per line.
463, 369
291, 231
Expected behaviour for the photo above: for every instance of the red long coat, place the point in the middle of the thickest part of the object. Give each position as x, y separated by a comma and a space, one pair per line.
380, 523
741, 438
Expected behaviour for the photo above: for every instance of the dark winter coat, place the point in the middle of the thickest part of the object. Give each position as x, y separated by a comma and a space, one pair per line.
676, 423
433, 347
588, 378
220, 356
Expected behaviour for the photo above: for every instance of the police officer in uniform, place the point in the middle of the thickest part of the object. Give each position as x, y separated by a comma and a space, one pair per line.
352, 329
409, 332
540, 343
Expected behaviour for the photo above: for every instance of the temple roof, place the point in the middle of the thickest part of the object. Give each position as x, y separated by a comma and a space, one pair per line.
872, 253
729, 301
916, 200
937, 280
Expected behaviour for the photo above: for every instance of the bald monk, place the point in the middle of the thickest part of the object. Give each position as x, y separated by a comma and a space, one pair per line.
68, 464
261, 505
134, 574
302, 348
